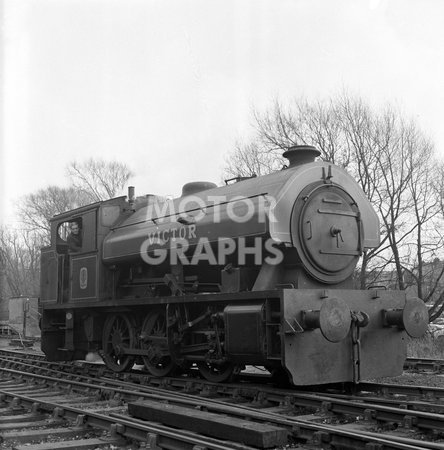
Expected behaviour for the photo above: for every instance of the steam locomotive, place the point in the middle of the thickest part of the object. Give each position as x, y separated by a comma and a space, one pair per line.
257, 272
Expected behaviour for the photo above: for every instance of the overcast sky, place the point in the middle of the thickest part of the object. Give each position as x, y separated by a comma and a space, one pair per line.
169, 86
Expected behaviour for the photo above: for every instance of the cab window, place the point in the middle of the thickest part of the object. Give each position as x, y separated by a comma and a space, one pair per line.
69, 236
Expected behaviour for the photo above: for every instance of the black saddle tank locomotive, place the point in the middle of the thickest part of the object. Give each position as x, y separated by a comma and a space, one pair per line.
257, 272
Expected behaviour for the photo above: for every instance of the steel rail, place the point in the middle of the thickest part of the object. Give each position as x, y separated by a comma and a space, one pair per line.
383, 388
420, 419
333, 404
124, 427
403, 389
410, 363
301, 429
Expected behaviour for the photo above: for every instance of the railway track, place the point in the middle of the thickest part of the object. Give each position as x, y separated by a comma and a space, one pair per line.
125, 411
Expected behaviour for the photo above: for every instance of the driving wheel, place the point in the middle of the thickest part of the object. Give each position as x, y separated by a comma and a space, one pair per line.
118, 335
154, 341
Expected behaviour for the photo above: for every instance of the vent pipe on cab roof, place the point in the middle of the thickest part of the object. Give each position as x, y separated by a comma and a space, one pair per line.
301, 154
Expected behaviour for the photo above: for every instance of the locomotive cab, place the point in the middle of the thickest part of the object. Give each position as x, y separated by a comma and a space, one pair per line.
72, 273
60, 262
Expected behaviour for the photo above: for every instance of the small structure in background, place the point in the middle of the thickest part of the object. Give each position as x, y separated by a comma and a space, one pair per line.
19, 320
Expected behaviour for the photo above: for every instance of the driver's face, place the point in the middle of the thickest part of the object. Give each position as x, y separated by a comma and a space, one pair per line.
74, 229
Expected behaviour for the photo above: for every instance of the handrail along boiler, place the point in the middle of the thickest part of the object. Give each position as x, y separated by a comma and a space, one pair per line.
271, 283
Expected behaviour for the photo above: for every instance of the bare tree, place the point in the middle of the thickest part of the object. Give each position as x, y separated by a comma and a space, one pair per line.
250, 160
20, 259
433, 271
93, 180
98, 179
36, 209
390, 158
3, 276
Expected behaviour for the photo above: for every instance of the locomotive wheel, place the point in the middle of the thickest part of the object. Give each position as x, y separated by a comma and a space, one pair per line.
157, 360
216, 373
118, 334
